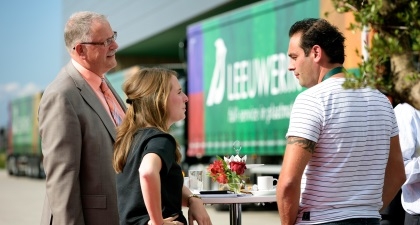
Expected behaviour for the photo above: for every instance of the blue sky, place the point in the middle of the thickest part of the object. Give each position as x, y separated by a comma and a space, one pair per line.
32, 46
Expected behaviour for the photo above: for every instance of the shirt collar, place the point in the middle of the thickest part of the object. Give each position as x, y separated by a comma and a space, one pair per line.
91, 77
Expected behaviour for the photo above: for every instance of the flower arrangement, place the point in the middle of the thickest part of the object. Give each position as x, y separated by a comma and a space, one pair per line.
228, 171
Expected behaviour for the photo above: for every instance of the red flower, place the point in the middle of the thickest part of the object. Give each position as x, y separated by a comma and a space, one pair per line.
226, 170
216, 167
222, 178
238, 167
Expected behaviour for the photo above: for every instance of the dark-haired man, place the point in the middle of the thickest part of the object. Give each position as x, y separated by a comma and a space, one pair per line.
343, 161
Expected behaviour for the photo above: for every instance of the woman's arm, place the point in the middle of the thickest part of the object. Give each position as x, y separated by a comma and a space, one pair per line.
150, 185
196, 211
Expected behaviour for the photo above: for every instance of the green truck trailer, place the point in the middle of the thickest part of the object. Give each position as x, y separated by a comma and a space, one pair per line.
24, 156
239, 86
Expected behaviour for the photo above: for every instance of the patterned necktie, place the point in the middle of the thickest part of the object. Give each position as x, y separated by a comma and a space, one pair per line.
111, 104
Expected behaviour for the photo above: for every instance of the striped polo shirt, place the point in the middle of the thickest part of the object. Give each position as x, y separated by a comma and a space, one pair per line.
352, 129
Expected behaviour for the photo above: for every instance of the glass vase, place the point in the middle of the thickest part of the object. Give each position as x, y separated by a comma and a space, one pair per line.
233, 187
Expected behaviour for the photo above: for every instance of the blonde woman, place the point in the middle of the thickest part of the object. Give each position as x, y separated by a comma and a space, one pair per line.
146, 158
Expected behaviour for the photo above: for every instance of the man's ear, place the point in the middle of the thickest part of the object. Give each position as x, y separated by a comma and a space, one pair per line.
317, 52
80, 51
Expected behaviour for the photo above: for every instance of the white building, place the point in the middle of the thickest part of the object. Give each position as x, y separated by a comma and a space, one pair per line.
150, 31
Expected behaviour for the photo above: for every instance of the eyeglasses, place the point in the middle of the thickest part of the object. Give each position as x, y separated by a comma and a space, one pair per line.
106, 43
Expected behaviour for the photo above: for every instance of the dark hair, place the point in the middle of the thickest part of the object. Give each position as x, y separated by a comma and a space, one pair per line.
320, 32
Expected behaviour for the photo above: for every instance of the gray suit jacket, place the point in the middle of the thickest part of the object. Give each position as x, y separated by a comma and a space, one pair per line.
77, 143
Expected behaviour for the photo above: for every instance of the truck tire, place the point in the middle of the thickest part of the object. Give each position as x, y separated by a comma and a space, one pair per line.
40, 168
37, 168
22, 165
34, 165
11, 165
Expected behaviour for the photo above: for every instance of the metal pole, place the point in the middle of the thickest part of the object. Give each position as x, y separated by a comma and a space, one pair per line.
235, 212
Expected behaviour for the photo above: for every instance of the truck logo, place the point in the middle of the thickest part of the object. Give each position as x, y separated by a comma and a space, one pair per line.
217, 85
246, 79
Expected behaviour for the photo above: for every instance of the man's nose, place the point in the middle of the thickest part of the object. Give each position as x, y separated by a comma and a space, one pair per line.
291, 67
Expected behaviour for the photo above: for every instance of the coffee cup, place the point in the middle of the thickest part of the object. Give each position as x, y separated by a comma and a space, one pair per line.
266, 183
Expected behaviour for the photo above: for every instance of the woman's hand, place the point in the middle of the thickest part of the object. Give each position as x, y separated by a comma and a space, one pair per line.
198, 212
168, 221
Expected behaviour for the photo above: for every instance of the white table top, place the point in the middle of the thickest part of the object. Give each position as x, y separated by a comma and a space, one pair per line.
229, 199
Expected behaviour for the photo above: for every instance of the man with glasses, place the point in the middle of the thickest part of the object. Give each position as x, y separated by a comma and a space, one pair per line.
78, 115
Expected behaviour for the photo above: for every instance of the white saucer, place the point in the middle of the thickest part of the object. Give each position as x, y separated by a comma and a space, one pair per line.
264, 193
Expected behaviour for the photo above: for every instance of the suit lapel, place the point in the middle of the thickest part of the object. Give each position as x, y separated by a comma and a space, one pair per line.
90, 97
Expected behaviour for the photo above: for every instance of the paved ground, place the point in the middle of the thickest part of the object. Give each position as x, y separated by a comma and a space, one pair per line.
248, 217
21, 201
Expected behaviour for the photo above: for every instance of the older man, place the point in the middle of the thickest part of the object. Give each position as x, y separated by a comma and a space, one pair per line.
77, 117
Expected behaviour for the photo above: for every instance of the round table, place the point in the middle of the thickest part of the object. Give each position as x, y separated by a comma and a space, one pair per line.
235, 203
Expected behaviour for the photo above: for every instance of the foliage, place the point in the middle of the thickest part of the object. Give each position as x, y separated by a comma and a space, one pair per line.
2, 160
392, 62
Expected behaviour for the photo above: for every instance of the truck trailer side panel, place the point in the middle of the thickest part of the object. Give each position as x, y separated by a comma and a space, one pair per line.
239, 85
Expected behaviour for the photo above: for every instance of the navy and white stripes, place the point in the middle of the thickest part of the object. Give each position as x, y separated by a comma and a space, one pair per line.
352, 129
